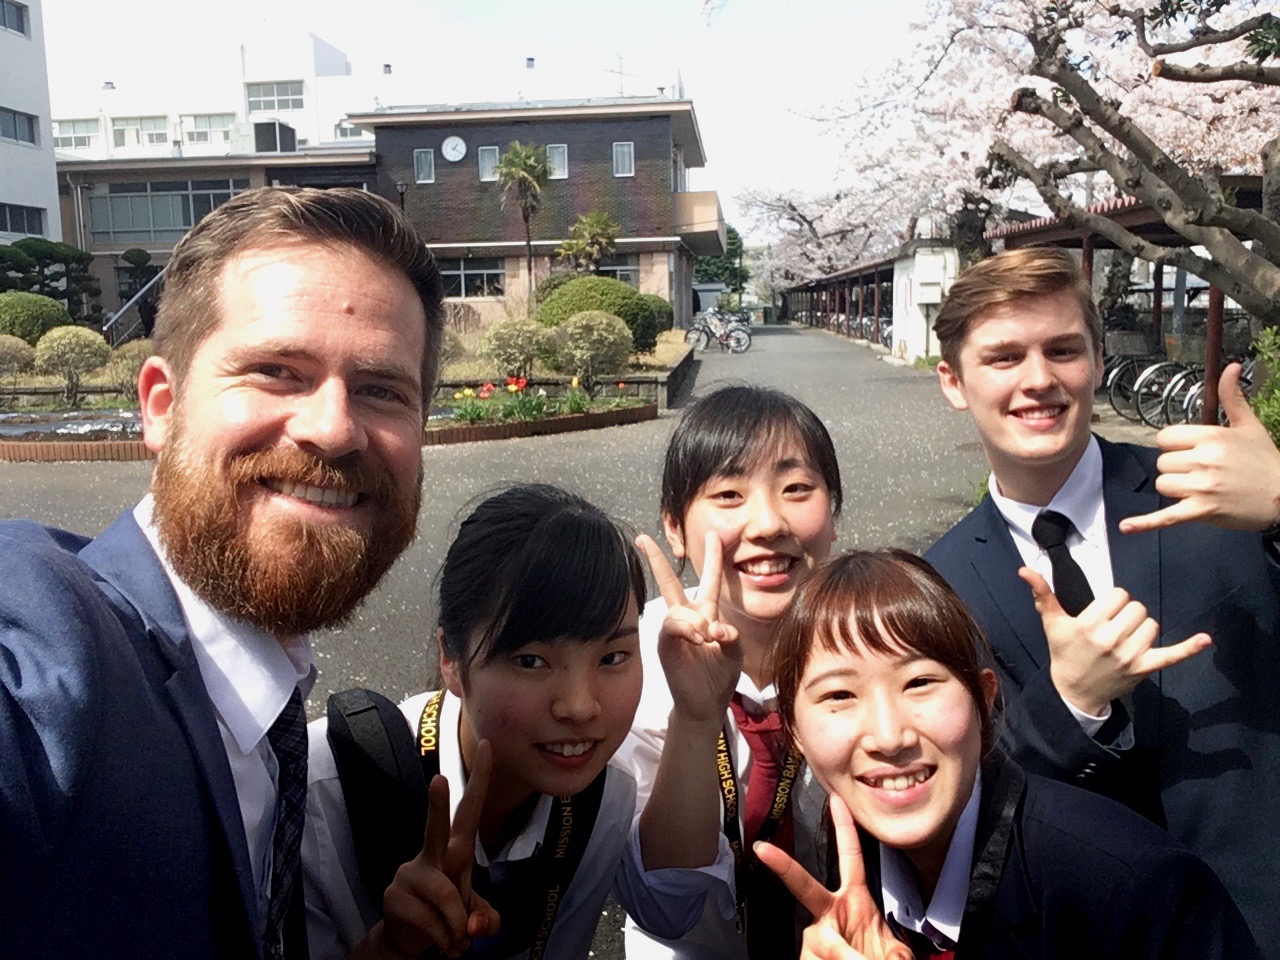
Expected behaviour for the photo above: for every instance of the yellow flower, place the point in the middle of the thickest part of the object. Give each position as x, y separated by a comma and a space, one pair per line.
574, 383
468, 392
512, 388
458, 395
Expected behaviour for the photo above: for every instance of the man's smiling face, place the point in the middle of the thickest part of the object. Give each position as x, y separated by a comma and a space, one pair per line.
289, 467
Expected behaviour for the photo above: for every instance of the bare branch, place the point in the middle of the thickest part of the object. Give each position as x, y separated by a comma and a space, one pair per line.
1204, 73
1201, 39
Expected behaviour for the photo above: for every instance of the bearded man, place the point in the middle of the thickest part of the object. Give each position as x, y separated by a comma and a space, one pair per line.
152, 738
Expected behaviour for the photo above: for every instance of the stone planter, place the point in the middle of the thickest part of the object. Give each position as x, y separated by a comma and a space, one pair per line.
468, 432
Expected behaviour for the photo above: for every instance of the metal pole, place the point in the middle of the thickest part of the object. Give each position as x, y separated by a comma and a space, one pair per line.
1212, 356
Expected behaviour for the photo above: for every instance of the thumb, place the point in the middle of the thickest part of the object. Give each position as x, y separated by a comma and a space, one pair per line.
1232, 398
1047, 604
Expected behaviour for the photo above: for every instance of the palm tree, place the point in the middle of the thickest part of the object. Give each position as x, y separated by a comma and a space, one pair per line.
591, 239
522, 173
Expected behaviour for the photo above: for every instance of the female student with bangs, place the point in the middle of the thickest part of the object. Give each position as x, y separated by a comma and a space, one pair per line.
956, 851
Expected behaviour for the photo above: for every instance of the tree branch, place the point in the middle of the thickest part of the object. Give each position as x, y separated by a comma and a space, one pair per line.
1204, 73
1203, 39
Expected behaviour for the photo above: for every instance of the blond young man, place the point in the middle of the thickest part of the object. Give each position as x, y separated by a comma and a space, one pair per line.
1150, 675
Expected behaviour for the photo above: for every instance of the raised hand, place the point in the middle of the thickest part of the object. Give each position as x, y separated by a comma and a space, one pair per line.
847, 924
1107, 650
430, 902
700, 653
1227, 476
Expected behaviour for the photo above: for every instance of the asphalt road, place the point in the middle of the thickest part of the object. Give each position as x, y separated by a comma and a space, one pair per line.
910, 467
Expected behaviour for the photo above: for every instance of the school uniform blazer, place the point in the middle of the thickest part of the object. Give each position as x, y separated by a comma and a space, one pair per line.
1206, 753
120, 831
1061, 874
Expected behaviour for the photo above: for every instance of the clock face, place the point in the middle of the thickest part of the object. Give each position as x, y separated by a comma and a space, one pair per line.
454, 148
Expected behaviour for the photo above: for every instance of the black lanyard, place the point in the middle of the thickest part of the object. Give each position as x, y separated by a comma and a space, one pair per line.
569, 827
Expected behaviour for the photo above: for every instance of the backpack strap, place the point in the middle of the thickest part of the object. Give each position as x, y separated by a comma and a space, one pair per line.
382, 783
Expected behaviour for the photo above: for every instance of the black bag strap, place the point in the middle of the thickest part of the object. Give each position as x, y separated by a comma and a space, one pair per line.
383, 784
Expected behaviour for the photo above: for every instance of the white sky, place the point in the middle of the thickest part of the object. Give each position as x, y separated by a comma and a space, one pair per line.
756, 70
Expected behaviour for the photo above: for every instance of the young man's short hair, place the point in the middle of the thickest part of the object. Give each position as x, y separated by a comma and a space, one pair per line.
190, 302
1026, 273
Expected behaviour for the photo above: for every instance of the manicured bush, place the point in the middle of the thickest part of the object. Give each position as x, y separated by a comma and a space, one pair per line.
16, 355
662, 310
71, 352
124, 366
511, 346
590, 345
607, 295
549, 285
30, 315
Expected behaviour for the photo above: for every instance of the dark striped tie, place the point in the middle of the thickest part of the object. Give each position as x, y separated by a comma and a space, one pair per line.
288, 738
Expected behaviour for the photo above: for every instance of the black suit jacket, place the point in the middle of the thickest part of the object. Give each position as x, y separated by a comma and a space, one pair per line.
1063, 874
1206, 756
120, 830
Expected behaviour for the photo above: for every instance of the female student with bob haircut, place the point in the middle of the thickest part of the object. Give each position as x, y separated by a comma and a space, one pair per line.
956, 851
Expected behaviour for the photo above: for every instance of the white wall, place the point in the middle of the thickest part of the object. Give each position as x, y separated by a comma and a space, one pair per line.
28, 176
913, 277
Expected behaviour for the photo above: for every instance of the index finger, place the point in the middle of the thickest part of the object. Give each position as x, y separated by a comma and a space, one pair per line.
712, 564
853, 873
664, 577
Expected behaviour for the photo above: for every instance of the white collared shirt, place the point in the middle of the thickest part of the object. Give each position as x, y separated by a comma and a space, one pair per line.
340, 913
716, 936
250, 677
940, 920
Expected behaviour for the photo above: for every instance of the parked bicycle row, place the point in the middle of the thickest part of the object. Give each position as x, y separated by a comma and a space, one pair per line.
1160, 392
863, 328
728, 329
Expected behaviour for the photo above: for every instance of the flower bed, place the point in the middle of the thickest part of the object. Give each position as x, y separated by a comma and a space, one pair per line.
446, 431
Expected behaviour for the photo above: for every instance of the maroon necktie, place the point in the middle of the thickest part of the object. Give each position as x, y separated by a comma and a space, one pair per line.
922, 947
769, 907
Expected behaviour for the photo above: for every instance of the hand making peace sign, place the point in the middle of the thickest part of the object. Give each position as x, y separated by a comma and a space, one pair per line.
700, 653
430, 902
847, 924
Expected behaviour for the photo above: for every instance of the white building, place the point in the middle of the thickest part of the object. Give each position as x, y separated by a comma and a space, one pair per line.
28, 177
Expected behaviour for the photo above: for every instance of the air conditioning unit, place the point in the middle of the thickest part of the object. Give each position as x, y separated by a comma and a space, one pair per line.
272, 136
241, 139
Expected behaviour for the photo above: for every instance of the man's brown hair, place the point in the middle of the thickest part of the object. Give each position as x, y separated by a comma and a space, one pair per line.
190, 299
1022, 274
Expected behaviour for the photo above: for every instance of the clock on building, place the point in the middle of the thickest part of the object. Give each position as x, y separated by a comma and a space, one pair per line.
454, 148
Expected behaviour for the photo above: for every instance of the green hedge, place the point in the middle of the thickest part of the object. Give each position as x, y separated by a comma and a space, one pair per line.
30, 316
609, 296
662, 310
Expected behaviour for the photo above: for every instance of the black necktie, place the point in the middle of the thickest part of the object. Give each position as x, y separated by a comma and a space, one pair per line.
288, 739
1069, 582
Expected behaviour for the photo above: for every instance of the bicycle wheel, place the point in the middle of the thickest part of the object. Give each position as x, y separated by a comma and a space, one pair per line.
739, 341
697, 337
1121, 389
1175, 395
1148, 391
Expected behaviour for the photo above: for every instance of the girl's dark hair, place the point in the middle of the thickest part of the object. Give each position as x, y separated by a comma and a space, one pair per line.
535, 564
888, 602
726, 431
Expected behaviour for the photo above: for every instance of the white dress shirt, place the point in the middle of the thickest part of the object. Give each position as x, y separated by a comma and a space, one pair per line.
1080, 501
940, 920
250, 676
340, 913
716, 936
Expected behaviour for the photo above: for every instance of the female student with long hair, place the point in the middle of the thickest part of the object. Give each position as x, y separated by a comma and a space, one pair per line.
539, 597
881, 684
750, 492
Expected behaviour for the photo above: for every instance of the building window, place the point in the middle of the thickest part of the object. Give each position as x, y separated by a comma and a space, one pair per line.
624, 159
209, 127
624, 267
13, 16
75, 134
16, 125
283, 95
135, 131
424, 166
28, 221
345, 131
558, 161
473, 276
161, 210
488, 157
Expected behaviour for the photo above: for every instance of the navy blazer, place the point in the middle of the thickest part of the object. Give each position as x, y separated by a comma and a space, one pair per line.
1063, 874
120, 830
1206, 754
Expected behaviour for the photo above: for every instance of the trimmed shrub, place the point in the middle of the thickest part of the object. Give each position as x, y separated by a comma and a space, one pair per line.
549, 285
609, 296
124, 366
511, 346
71, 352
30, 315
662, 310
16, 355
590, 345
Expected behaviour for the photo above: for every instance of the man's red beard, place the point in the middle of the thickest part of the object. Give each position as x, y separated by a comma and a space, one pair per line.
284, 576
